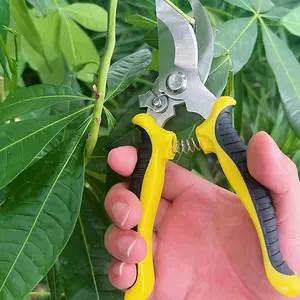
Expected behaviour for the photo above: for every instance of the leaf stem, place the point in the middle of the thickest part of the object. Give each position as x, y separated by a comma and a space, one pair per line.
102, 79
2, 90
189, 19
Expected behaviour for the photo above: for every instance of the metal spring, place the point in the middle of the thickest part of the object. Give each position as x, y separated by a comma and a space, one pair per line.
184, 146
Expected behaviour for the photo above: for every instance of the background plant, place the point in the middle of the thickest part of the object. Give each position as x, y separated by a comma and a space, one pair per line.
52, 219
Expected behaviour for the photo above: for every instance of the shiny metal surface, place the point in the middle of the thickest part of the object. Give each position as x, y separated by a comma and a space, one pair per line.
205, 39
179, 53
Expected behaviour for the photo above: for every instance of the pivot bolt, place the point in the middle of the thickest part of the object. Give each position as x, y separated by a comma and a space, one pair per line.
160, 103
177, 82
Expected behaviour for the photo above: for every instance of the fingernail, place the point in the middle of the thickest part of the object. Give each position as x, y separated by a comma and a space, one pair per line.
118, 268
126, 244
121, 213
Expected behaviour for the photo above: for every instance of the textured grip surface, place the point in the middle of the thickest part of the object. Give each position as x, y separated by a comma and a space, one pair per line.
144, 155
235, 148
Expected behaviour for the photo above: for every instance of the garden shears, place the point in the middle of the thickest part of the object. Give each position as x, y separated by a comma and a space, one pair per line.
185, 60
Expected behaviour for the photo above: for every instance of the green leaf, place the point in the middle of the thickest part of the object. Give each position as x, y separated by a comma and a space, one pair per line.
90, 16
25, 25
151, 38
125, 71
292, 21
110, 119
155, 61
77, 46
286, 69
21, 142
4, 21
218, 76
276, 13
141, 21
256, 6
237, 37
84, 261
48, 26
41, 5
25, 100
125, 133
39, 216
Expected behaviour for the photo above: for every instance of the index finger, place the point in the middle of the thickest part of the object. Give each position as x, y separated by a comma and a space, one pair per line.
177, 180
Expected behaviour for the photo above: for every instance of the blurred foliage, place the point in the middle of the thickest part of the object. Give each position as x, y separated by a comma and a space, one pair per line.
61, 42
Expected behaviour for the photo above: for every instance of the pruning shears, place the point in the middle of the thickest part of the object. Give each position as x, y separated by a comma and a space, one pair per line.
185, 56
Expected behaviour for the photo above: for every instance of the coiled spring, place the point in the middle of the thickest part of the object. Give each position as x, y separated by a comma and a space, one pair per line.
184, 146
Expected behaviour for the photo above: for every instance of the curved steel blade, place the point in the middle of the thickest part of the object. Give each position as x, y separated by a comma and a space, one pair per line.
183, 38
205, 39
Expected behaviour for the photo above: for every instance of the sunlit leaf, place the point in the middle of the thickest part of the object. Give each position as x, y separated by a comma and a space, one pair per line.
237, 37
124, 72
77, 46
39, 215
286, 69
88, 15
292, 21
52, 70
25, 25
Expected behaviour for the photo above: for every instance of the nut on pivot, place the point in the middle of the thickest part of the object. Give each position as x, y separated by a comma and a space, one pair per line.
177, 82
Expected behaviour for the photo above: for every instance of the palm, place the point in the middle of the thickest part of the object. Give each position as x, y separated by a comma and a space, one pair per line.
208, 249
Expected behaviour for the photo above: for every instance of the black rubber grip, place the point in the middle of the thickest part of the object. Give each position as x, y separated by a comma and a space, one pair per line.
236, 149
144, 155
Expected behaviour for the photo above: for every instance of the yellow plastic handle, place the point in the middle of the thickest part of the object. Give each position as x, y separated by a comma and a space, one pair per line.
162, 150
209, 140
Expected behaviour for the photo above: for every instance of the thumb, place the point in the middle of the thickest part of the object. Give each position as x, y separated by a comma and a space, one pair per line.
268, 165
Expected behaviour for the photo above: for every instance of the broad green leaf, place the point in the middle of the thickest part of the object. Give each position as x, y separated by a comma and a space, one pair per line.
218, 76
151, 38
125, 133
292, 21
25, 25
84, 262
25, 100
21, 142
48, 26
76, 45
124, 72
4, 21
39, 216
286, 69
98, 161
90, 16
141, 21
110, 119
256, 6
276, 13
238, 38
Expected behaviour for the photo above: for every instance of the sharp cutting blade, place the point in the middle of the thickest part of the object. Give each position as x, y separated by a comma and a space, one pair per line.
205, 39
179, 53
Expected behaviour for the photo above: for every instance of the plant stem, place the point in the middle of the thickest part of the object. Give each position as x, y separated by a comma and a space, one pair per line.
2, 90
102, 79
189, 19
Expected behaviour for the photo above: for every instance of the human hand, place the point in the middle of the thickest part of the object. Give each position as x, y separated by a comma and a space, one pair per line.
204, 245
